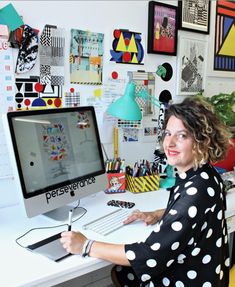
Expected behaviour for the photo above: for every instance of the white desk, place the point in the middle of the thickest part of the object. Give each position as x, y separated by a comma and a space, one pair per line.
21, 267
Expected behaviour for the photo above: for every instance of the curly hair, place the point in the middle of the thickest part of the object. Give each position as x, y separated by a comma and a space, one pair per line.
211, 136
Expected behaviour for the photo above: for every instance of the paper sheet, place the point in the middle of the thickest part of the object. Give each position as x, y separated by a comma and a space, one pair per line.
10, 17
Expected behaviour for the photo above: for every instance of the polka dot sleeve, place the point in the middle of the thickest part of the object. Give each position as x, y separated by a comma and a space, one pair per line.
174, 237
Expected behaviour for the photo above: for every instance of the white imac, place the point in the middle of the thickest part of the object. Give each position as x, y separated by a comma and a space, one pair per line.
57, 156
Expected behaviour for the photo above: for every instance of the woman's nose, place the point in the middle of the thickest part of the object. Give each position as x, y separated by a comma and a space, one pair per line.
171, 141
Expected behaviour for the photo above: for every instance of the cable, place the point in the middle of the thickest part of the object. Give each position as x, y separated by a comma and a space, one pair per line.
51, 227
36, 228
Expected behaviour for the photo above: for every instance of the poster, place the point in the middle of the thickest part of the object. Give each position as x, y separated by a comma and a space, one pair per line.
86, 57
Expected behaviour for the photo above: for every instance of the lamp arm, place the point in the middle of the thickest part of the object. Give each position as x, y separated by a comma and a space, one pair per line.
154, 101
144, 95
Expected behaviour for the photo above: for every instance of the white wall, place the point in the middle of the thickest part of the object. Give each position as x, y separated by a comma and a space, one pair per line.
104, 17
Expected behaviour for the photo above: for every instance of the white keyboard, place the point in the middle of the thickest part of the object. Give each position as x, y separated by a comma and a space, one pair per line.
108, 223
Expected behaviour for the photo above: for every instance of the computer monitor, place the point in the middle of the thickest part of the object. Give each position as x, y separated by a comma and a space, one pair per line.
57, 156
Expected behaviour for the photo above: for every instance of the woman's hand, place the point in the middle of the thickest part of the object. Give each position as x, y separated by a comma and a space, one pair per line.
149, 217
73, 241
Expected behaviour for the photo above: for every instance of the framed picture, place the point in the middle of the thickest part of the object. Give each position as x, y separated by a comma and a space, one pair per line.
222, 55
191, 65
195, 15
162, 28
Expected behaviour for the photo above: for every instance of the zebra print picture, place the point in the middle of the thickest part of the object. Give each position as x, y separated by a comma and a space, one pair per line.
195, 15
192, 61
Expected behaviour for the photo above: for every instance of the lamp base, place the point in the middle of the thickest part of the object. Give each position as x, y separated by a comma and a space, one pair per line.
167, 182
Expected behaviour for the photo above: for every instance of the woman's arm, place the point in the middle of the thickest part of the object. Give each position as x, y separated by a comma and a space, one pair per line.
114, 253
149, 217
73, 242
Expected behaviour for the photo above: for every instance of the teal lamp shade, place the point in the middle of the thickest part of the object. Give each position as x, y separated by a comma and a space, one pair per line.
126, 108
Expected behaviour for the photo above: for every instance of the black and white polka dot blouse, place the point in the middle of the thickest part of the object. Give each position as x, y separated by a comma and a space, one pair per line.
189, 245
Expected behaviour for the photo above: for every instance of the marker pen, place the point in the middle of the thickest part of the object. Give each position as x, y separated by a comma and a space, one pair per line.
70, 220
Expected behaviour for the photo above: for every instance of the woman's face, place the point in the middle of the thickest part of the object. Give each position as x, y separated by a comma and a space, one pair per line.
178, 145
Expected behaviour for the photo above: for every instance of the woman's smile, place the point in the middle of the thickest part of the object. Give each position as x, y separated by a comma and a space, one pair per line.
172, 152
178, 145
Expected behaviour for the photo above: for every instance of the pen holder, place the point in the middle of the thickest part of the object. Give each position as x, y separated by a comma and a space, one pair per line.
142, 183
117, 183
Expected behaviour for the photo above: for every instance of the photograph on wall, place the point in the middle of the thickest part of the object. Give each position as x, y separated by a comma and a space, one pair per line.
86, 57
224, 50
127, 47
192, 66
162, 28
195, 15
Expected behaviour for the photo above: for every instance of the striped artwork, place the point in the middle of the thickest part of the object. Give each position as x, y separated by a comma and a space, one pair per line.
142, 183
224, 51
195, 12
195, 15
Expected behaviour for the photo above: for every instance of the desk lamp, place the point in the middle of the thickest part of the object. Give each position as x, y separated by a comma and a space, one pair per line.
127, 108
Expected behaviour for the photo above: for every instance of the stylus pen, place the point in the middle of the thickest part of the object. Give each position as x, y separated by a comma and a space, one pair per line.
70, 220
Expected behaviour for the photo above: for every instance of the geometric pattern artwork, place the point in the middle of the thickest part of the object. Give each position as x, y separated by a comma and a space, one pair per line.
51, 51
72, 98
86, 57
30, 93
127, 47
144, 81
195, 15
224, 52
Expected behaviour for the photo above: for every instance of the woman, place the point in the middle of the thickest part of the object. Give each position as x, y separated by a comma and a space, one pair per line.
189, 245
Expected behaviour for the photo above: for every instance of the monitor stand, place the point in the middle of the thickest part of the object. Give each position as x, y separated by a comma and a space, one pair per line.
61, 214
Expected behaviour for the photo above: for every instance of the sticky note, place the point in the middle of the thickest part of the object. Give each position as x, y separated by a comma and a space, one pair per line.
3, 31
97, 93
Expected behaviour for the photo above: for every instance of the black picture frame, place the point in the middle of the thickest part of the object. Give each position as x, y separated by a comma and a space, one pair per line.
199, 16
162, 28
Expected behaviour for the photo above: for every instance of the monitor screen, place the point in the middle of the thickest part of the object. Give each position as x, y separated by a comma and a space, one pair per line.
57, 155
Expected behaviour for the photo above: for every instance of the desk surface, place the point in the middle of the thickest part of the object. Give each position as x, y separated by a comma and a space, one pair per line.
23, 268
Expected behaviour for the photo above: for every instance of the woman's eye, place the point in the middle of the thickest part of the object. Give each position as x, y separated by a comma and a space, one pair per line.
182, 136
166, 133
